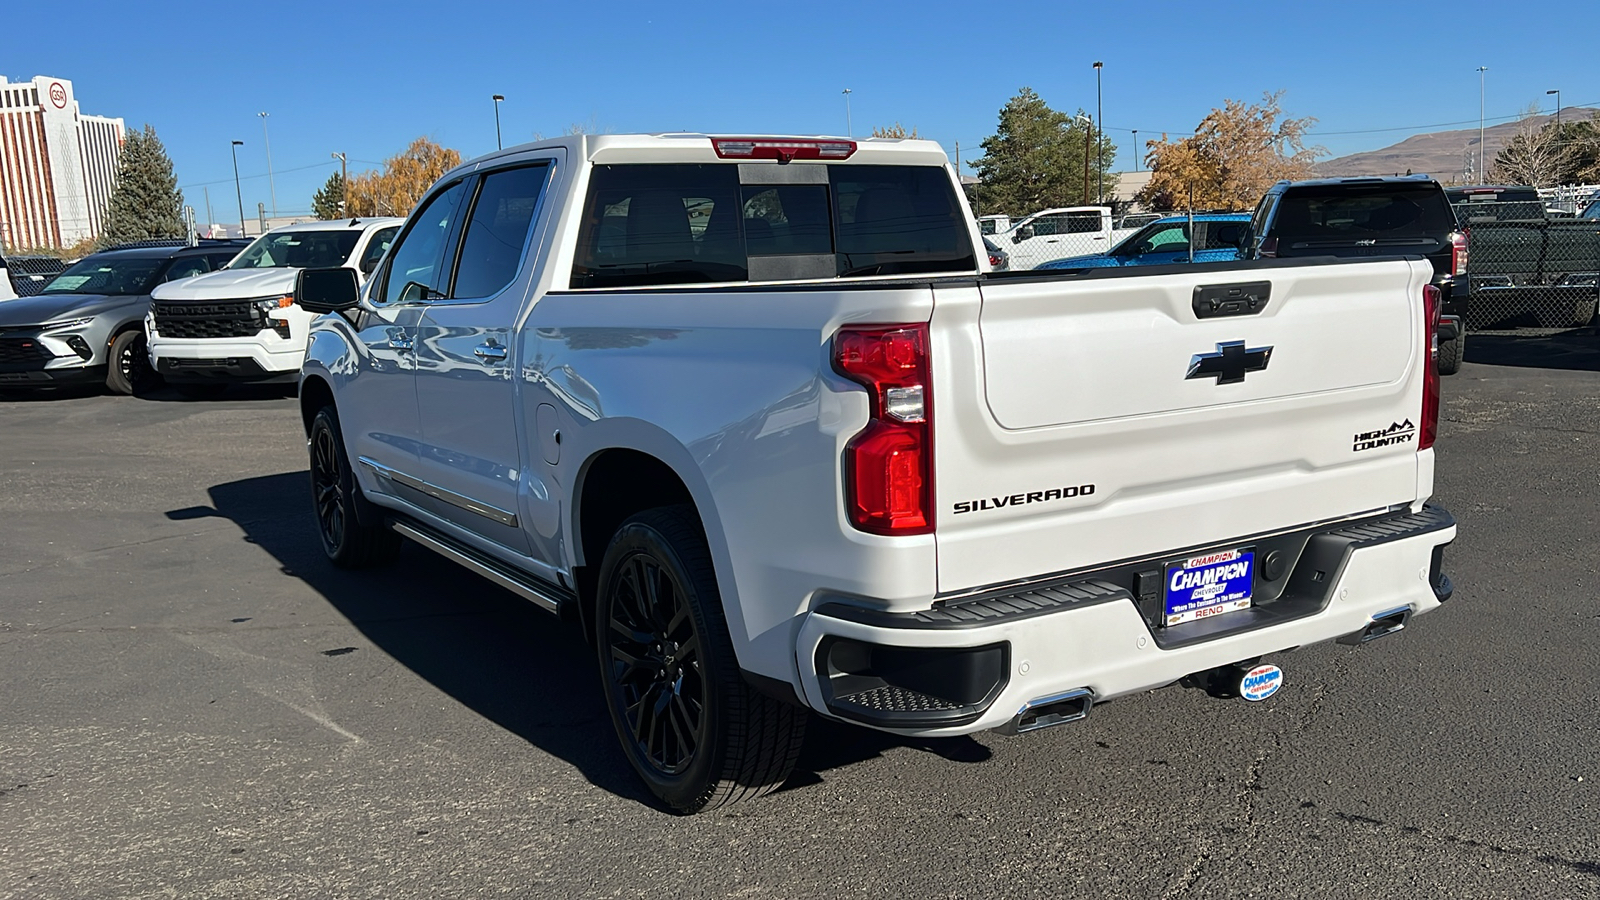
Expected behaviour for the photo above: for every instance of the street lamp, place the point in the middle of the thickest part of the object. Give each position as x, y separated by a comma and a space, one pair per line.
847, 124
1136, 149
1481, 70
239, 195
1099, 151
268, 143
1557, 92
497, 99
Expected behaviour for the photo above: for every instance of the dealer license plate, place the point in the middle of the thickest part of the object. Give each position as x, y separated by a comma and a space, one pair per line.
1209, 585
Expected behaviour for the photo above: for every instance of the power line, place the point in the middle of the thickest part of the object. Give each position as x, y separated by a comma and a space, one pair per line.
250, 177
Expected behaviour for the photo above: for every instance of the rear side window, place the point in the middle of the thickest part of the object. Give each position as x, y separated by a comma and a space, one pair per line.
686, 224
497, 229
1340, 212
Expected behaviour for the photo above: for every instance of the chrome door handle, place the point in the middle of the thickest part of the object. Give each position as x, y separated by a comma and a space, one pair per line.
402, 344
488, 352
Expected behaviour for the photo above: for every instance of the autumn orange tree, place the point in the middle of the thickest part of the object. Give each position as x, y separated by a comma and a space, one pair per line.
1235, 154
402, 181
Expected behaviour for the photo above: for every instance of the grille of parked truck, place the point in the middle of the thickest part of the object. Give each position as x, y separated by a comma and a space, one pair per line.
754, 413
241, 324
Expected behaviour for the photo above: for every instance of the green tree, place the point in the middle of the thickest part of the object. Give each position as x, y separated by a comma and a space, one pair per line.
146, 202
1036, 159
328, 201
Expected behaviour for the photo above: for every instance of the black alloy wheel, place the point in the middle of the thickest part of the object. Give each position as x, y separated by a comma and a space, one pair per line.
656, 664
352, 531
327, 491
692, 727
128, 370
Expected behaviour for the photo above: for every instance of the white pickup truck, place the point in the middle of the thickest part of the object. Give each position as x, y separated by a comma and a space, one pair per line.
240, 324
1059, 233
753, 412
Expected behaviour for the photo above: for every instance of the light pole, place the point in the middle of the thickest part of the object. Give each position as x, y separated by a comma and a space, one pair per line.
271, 185
238, 195
1099, 151
847, 124
344, 185
1557, 92
497, 99
1481, 70
1136, 149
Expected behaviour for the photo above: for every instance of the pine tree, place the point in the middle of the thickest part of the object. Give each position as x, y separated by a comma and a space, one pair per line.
1035, 159
328, 202
146, 202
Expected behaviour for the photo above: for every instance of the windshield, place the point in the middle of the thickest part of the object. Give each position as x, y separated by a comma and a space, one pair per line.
298, 249
134, 275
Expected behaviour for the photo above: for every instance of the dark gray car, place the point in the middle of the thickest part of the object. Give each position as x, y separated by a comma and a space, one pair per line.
87, 324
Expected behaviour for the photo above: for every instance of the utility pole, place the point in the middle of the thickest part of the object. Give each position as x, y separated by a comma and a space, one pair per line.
210, 217
1481, 70
848, 130
1099, 151
344, 185
238, 195
272, 185
958, 162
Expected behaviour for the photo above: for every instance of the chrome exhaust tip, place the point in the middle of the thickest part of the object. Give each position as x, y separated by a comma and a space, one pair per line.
1381, 625
1056, 709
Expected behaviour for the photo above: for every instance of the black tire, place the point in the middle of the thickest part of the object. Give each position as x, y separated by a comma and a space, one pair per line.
1451, 353
350, 539
696, 733
1583, 312
200, 390
128, 369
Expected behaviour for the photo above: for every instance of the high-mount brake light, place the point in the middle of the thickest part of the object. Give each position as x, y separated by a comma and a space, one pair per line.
888, 466
1458, 253
781, 150
1428, 429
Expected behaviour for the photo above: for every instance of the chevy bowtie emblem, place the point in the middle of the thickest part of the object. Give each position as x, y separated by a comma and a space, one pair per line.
1230, 363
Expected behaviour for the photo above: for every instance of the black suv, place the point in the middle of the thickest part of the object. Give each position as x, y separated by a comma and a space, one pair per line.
1344, 217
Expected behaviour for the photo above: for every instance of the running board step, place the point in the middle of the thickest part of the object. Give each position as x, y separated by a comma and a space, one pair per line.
548, 597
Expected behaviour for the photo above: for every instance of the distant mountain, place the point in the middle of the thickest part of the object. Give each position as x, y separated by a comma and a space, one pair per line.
1445, 155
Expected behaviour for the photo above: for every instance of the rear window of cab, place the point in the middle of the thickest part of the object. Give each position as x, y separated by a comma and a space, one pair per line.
666, 224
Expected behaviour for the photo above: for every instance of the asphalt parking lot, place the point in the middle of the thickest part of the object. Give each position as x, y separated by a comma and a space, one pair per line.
195, 704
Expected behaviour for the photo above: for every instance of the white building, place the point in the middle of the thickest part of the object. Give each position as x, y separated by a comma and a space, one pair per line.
57, 166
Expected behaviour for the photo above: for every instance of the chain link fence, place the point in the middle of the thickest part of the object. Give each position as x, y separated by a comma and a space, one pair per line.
29, 274
1526, 269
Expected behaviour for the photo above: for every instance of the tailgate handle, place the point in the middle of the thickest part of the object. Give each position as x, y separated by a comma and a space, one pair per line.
1214, 301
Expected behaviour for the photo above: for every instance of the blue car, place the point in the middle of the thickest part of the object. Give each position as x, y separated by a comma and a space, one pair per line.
1166, 241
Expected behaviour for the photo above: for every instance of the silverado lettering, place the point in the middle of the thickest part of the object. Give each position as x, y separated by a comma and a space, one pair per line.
1066, 493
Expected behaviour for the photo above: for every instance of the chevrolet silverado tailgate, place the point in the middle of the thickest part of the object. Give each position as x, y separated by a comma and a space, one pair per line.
1092, 418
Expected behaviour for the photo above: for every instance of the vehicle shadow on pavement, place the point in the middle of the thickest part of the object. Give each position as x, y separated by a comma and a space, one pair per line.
493, 652
1573, 350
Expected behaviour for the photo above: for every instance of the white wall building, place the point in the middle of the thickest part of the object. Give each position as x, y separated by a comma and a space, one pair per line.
57, 166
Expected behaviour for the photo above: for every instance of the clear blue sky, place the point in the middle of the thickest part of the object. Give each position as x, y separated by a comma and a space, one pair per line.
366, 78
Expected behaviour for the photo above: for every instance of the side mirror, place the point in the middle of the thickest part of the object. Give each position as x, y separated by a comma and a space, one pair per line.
1231, 234
1022, 234
326, 290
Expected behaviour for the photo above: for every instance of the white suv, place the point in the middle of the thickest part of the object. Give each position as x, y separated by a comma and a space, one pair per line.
241, 323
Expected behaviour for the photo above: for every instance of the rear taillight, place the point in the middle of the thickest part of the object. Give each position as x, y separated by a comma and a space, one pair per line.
994, 260
1429, 427
888, 467
1458, 253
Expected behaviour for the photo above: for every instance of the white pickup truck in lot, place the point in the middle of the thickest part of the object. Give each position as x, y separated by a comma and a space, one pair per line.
240, 324
754, 413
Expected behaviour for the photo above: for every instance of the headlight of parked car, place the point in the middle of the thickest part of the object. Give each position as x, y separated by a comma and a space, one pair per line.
269, 304
66, 323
